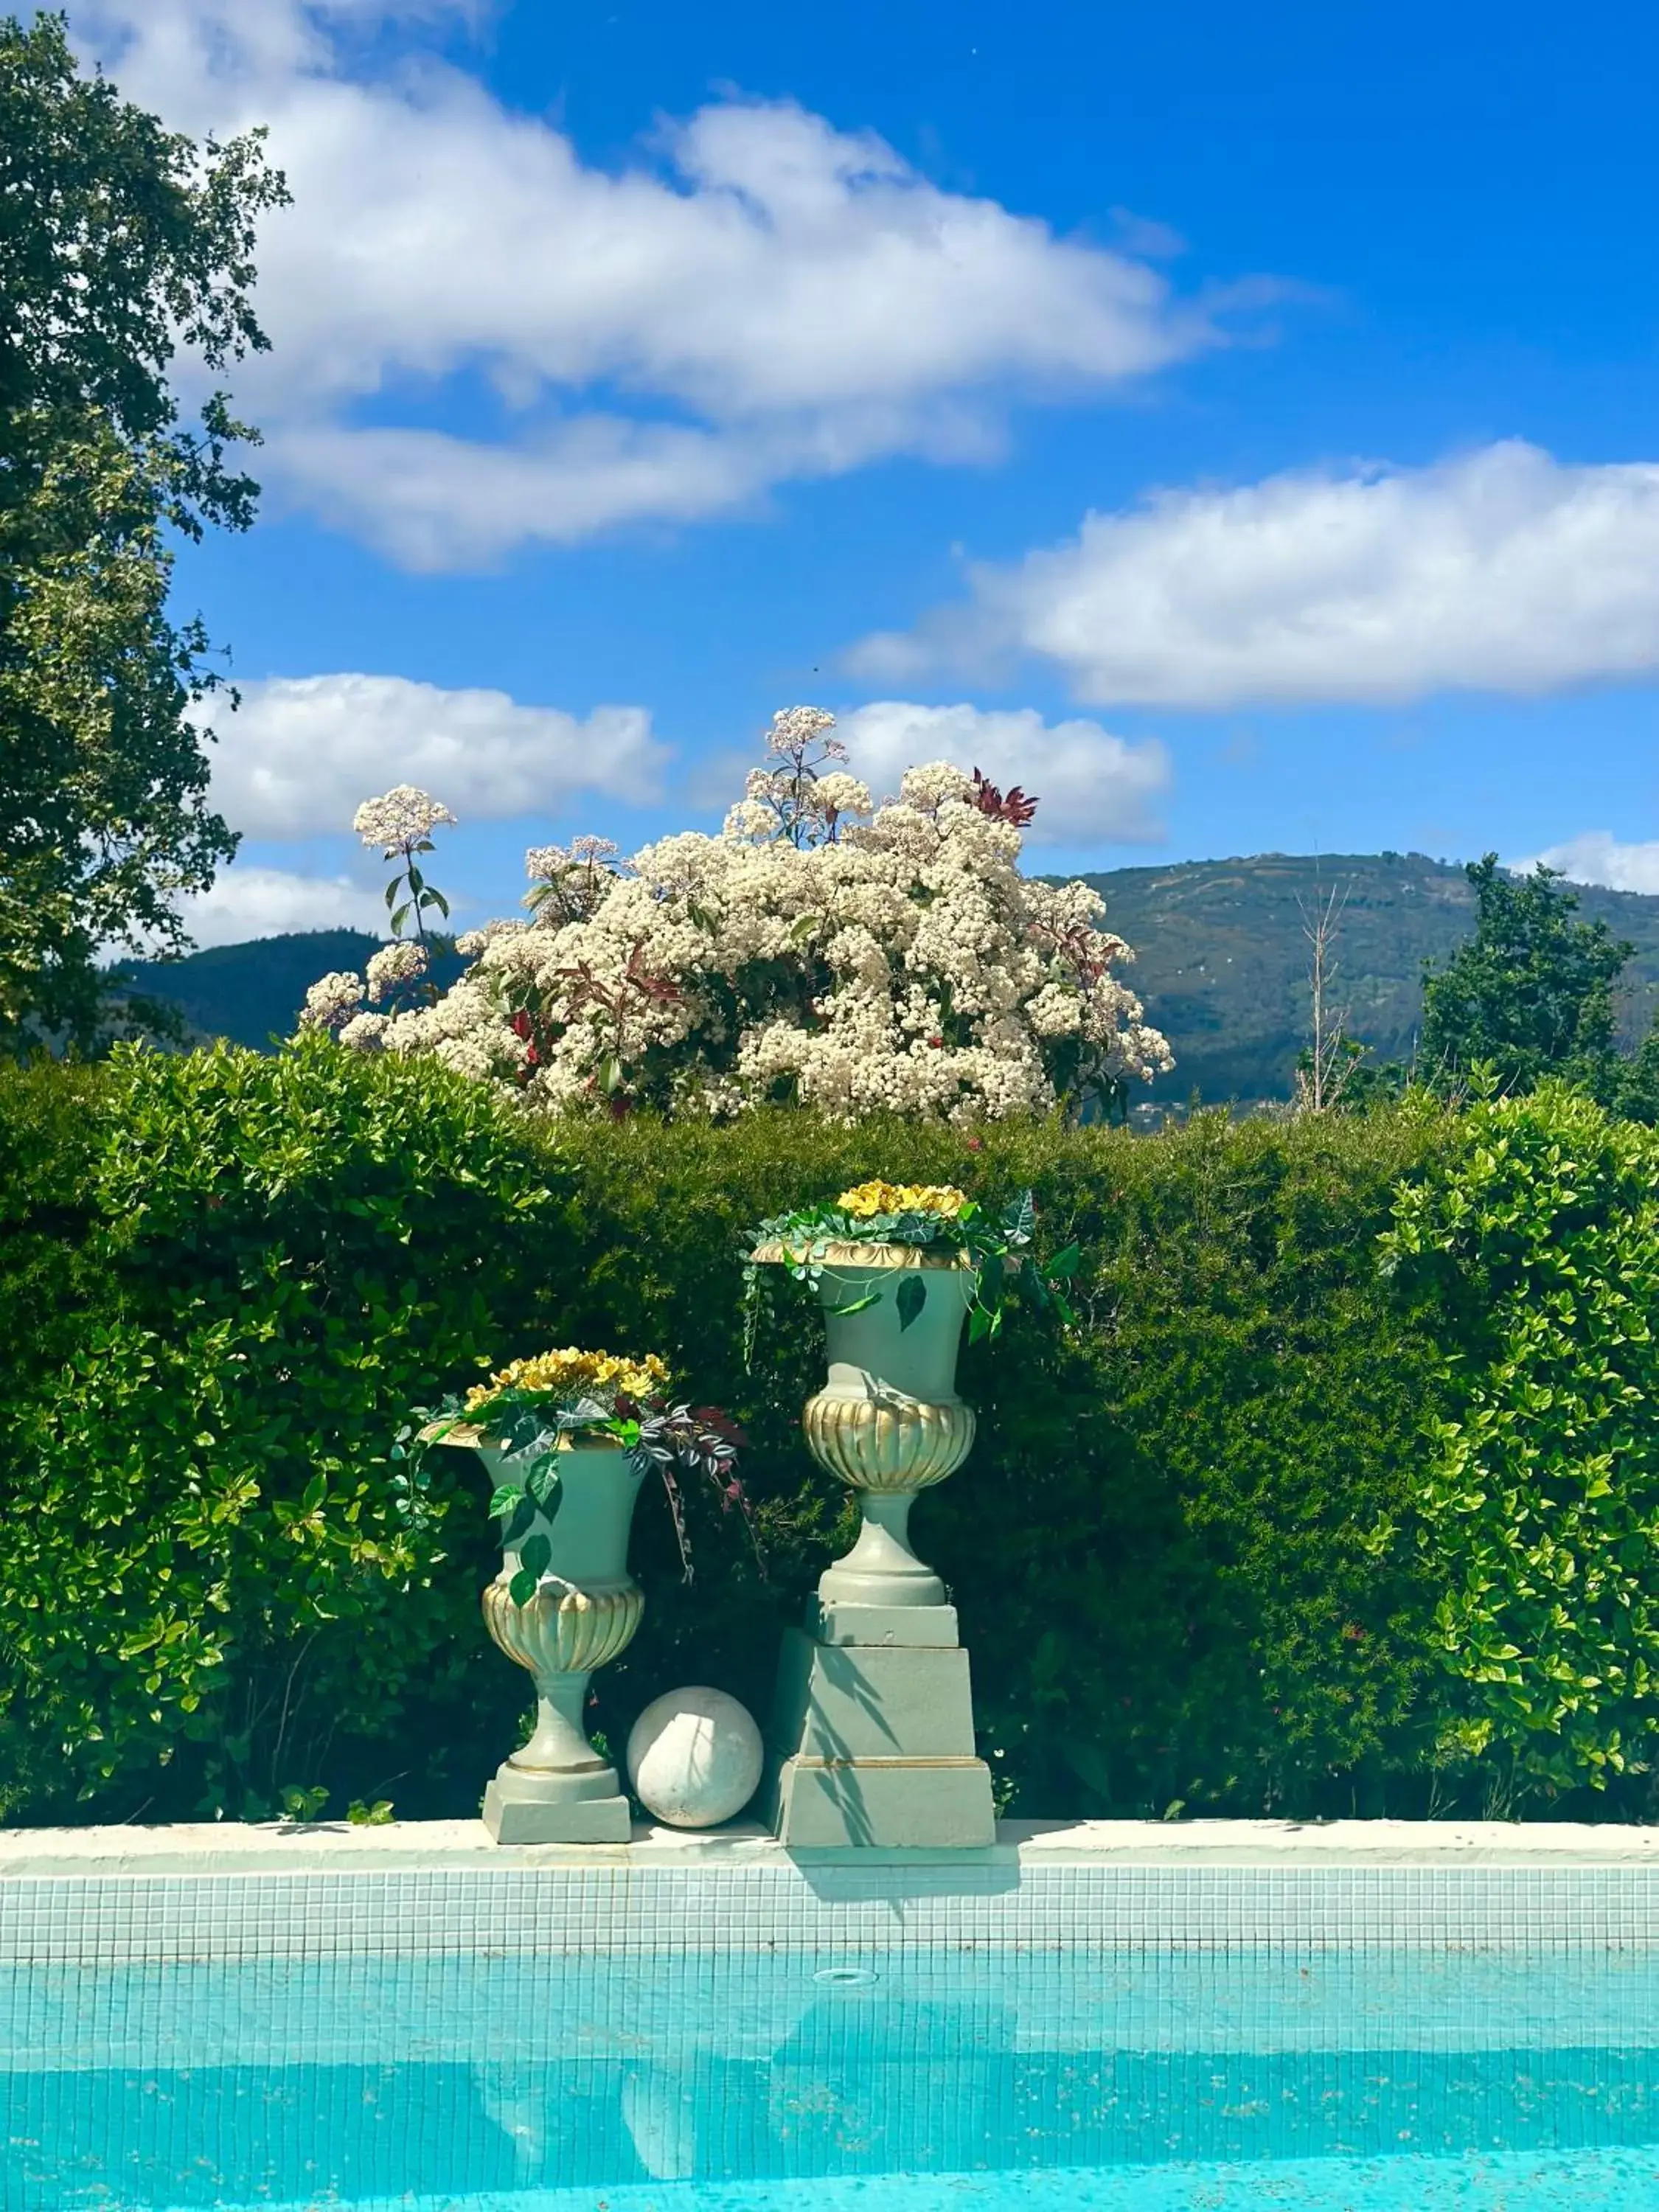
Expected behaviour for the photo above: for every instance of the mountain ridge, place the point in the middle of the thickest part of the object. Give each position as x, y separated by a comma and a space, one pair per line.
1222, 956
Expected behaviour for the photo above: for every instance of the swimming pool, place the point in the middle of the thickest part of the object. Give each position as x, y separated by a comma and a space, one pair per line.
909, 2081
974, 2079
740, 2037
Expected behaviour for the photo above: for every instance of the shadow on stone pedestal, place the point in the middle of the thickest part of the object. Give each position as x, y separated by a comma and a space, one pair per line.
872, 1733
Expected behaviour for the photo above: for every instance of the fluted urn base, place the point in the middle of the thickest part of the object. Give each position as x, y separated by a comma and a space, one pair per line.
878, 1441
887, 1448
557, 1790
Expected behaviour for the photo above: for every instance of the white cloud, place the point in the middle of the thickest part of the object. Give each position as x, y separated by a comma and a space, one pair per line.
1597, 856
764, 297
301, 751
1504, 570
1091, 785
434, 500
251, 901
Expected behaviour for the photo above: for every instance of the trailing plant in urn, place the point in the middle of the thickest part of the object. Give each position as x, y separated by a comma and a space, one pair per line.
898, 1267
932, 1217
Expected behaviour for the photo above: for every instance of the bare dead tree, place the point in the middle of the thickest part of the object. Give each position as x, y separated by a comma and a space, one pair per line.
1323, 1077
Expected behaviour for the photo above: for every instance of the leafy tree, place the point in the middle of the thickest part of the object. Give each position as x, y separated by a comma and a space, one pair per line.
1632, 1092
1530, 995
122, 244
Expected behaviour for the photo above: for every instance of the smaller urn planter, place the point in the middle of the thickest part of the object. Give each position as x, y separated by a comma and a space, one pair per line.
585, 1610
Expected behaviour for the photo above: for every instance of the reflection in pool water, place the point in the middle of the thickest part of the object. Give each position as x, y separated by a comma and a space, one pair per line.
983, 2082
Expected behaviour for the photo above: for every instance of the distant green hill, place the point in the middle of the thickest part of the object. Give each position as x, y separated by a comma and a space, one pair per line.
250, 993
1222, 962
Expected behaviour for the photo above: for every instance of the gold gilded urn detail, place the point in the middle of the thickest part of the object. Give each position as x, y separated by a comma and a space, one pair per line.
899, 1443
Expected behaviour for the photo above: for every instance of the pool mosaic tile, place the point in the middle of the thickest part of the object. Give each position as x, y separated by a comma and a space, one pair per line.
657, 1911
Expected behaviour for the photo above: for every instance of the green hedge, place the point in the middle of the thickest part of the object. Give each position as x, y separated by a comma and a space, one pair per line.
1190, 1549
1157, 1547
215, 1581
1538, 1510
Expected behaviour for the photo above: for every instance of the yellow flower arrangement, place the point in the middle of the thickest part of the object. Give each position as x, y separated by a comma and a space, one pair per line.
866, 1200
942, 1224
593, 1399
570, 1372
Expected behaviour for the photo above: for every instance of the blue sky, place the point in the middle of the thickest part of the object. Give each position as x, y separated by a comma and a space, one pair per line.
1242, 421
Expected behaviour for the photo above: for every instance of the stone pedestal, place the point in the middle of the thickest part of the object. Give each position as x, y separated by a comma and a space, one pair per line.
520, 1808
874, 1743
557, 1790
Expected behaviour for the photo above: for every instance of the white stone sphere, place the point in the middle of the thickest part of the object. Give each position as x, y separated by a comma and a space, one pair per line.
694, 1757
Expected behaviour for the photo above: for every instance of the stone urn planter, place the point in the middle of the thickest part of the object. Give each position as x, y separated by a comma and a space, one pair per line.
567, 1437
888, 1422
585, 1610
871, 1739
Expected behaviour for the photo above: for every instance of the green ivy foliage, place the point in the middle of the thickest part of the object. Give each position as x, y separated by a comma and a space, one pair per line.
1538, 1231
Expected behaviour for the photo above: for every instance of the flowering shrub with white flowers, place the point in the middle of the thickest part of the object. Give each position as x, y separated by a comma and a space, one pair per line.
822, 948
400, 823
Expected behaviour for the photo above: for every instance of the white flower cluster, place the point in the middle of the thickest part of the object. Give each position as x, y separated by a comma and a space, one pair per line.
569, 882
335, 1002
796, 729
547, 863
586, 851
400, 819
331, 1000
801, 800
365, 1032
402, 961
904, 964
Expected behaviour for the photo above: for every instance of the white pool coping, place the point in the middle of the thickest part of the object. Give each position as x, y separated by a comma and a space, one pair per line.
205, 1892
437, 1846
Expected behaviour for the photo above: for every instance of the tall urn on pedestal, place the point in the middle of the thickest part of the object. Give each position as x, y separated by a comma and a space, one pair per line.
872, 1733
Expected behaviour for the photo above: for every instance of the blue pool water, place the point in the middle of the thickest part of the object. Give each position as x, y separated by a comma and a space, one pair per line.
932, 2082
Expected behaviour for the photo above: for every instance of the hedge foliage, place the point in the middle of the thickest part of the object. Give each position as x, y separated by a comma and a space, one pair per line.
1197, 1549
214, 1579
1157, 1547
1540, 1509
